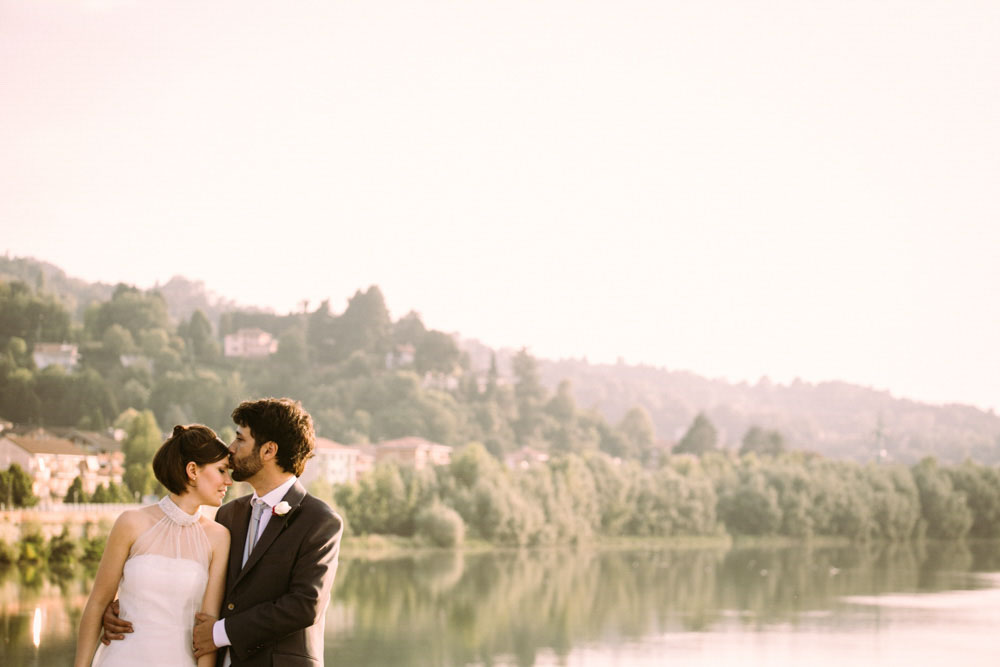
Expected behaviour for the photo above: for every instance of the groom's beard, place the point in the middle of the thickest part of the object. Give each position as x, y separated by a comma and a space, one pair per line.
248, 467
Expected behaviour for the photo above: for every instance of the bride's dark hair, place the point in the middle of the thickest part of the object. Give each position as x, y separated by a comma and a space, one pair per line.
193, 443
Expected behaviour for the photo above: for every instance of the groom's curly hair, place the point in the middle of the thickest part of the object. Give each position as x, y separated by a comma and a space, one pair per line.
284, 422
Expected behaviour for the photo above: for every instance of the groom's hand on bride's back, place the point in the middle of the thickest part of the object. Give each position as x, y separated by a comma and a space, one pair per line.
114, 627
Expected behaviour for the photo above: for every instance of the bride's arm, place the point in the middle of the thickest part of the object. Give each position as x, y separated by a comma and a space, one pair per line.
216, 588
109, 575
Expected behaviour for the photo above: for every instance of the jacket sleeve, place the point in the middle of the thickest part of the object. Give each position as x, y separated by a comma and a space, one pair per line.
307, 595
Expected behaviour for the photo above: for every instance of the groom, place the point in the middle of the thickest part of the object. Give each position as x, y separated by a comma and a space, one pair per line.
285, 545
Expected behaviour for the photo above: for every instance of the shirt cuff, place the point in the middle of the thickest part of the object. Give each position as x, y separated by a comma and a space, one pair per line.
219, 635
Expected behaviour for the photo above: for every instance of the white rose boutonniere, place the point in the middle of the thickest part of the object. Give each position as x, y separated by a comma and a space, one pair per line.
281, 509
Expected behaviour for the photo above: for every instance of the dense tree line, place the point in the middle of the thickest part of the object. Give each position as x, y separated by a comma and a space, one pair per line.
365, 377
576, 498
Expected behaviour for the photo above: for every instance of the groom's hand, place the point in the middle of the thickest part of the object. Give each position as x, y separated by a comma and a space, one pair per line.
114, 627
204, 643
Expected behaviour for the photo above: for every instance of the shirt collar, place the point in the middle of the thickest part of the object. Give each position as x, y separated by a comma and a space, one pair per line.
274, 496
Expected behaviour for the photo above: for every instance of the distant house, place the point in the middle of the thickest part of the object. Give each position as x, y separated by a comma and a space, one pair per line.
53, 463
107, 448
365, 460
401, 357
56, 354
249, 344
440, 381
93, 441
136, 361
413, 451
525, 457
333, 462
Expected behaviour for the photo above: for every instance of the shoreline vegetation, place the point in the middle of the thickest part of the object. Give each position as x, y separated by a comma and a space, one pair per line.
476, 504
529, 466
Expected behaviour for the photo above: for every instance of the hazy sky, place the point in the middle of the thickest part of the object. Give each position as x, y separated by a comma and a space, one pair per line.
786, 188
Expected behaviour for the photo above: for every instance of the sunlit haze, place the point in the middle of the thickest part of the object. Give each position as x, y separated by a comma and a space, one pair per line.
790, 189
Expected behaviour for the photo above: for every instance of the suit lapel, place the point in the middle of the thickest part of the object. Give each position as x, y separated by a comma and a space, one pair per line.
275, 525
238, 531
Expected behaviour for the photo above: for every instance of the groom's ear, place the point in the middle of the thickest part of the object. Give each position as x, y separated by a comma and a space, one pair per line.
269, 450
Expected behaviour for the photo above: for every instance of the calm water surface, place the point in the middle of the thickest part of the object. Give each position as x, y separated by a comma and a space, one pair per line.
913, 604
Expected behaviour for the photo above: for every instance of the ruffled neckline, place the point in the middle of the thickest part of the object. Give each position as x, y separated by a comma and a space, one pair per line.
176, 514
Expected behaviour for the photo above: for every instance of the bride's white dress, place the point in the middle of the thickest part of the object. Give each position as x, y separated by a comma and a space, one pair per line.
162, 586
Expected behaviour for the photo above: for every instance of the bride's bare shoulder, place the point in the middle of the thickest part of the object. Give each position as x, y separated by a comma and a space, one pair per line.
217, 534
133, 522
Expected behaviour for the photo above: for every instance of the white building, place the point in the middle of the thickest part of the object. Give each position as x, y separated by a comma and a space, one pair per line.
56, 354
53, 464
333, 462
250, 344
413, 451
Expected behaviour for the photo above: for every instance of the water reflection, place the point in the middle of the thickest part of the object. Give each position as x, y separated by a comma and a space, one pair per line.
554, 606
510, 607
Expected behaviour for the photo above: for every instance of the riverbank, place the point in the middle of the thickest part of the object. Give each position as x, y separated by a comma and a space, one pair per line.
378, 546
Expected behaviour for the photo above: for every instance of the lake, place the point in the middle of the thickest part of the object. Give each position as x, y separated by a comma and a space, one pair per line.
903, 604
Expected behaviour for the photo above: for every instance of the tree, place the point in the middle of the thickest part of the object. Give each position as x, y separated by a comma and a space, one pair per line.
436, 352
758, 440
943, 508
139, 479
636, 429
408, 329
320, 334
529, 395
131, 308
75, 493
562, 406
198, 335
700, 438
143, 439
15, 488
365, 325
117, 340
30, 316
102, 494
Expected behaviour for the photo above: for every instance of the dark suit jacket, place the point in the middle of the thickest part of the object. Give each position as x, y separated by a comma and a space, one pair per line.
275, 606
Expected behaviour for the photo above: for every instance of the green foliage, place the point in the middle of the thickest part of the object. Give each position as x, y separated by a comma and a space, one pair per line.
15, 488
139, 480
440, 525
75, 493
529, 395
365, 325
143, 438
31, 548
62, 549
131, 309
637, 436
981, 487
8, 553
943, 508
386, 500
199, 339
31, 317
92, 548
761, 442
700, 438
436, 352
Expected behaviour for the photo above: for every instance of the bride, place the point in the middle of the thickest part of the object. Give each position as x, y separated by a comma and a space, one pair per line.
165, 561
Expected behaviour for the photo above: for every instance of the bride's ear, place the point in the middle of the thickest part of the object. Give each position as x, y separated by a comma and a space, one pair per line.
192, 471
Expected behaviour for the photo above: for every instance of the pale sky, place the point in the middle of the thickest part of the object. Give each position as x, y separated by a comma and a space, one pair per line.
786, 188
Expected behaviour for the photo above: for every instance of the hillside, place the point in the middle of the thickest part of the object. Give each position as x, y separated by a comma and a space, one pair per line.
836, 419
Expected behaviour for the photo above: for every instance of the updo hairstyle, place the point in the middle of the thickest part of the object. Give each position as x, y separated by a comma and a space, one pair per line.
193, 443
